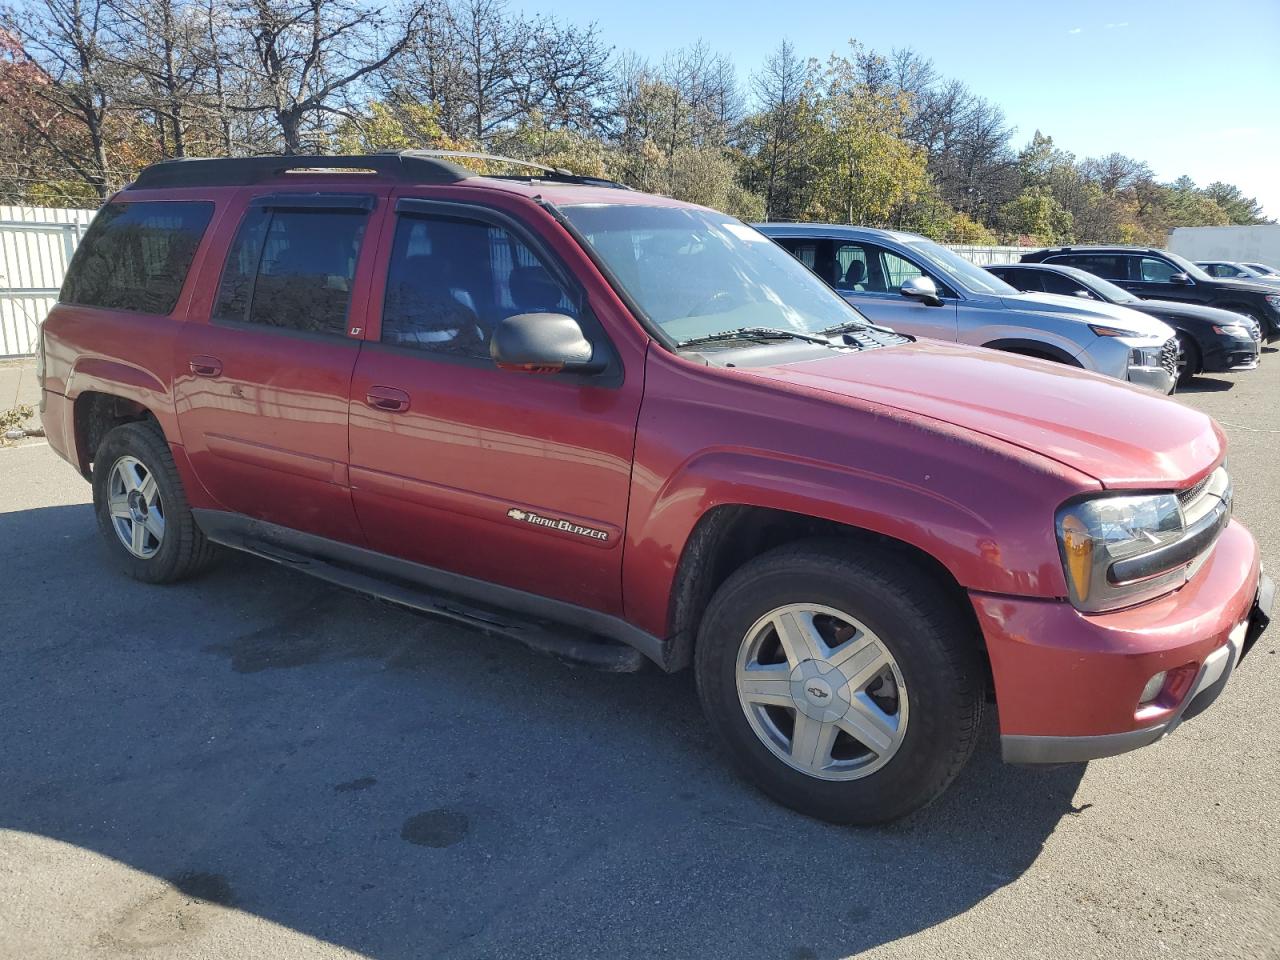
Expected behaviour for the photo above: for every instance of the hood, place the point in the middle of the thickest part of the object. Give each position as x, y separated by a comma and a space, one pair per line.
1089, 311
1120, 435
1256, 285
1187, 311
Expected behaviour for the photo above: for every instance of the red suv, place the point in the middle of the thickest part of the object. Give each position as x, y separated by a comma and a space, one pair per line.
619, 428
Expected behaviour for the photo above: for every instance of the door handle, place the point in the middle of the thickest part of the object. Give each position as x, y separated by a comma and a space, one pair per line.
206, 366
387, 398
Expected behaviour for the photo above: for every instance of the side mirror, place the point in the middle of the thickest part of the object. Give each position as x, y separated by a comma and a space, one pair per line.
1084, 294
543, 343
922, 289
1180, 279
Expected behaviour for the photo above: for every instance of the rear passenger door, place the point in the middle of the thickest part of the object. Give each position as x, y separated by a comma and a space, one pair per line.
461, 466
266, 370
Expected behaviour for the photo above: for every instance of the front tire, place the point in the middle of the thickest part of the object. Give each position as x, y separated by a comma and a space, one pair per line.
847, 686
1188, 359
142, 509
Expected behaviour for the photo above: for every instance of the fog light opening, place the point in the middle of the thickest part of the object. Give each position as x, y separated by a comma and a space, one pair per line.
1152, 690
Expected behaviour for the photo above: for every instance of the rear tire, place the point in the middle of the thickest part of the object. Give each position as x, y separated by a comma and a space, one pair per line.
882, 748
142, 509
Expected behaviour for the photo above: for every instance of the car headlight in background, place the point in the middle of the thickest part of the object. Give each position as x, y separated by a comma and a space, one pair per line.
1273, 301
1094, 535
1232, 330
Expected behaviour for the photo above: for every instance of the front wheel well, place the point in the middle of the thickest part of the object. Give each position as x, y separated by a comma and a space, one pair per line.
96, 415
1034, 348
728, 536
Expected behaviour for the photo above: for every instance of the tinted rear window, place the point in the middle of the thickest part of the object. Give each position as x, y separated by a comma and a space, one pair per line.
135, 256
1106, 265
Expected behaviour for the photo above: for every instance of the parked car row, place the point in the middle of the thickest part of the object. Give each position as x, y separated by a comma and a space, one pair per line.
624, 429
1210, 340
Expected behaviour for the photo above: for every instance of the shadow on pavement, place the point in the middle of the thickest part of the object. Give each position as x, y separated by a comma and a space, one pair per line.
408, 788
1205, 384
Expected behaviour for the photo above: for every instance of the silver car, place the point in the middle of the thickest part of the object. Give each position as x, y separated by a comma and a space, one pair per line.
916, 286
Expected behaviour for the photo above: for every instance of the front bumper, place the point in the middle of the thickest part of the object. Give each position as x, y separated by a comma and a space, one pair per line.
1231, 354
1068, 684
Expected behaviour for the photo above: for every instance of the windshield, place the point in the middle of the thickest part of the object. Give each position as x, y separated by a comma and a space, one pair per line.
696, 272
960, 271
1104, 288
1189, 268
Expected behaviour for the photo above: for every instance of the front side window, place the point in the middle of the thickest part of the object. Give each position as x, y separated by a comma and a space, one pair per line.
292, 269
452, 280
695, 272
1152, 270
135, 256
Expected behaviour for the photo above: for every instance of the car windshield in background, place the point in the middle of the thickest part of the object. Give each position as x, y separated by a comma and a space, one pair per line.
1104, 288
695, 272
972, 277
1189, 268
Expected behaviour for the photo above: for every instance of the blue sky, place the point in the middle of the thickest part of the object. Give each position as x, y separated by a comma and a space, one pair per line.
1191, 88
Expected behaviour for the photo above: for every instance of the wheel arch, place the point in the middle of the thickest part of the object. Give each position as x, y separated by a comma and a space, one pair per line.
728, 536
1033, 348
96, 413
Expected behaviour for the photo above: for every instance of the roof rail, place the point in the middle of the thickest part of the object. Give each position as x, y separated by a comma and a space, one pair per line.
547, 173
418, 166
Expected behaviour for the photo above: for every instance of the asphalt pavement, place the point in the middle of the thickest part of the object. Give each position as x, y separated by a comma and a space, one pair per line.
257, 764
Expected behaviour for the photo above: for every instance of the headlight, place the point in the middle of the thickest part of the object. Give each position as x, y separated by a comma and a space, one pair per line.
1096, 535
1273, 299
1232, 330
1116, 331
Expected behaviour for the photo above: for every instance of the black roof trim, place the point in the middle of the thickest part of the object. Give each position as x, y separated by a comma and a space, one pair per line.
244, 171
414, 166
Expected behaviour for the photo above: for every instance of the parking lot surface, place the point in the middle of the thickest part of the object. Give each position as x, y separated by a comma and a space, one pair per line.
256, 764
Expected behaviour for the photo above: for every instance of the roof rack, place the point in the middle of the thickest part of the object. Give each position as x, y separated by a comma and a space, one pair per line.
547, 173
417, 166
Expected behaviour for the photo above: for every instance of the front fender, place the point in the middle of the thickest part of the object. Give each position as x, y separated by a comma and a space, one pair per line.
980, 507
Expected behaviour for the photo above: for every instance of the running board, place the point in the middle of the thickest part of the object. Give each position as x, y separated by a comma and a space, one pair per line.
564, 642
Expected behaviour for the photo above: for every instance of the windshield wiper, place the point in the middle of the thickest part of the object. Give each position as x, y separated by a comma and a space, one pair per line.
756, 333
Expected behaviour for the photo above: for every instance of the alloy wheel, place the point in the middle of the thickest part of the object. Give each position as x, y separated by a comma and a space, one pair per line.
137, 512
822, 692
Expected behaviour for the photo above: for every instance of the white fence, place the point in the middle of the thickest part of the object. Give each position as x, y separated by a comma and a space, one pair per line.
36, 244
988, 256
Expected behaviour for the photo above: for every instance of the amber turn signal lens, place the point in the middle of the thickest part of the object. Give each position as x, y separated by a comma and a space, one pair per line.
1077, 545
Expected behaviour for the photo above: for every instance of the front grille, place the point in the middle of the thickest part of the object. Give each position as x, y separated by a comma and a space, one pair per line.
1189, 495
1169, 356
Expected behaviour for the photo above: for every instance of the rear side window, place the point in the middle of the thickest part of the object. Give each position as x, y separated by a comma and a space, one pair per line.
135, 256
292, 269
452, 281
1107, 266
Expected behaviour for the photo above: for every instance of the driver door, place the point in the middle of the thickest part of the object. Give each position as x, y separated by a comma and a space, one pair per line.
517, 479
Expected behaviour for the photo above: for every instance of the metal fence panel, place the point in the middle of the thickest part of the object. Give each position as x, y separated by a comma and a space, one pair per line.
36, 244
989, 256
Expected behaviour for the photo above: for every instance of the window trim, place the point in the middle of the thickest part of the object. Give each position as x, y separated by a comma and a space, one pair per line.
244, 323
612, 377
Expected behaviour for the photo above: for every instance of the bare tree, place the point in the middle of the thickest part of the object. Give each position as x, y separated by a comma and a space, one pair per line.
72, 79
782, 90
308, 54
